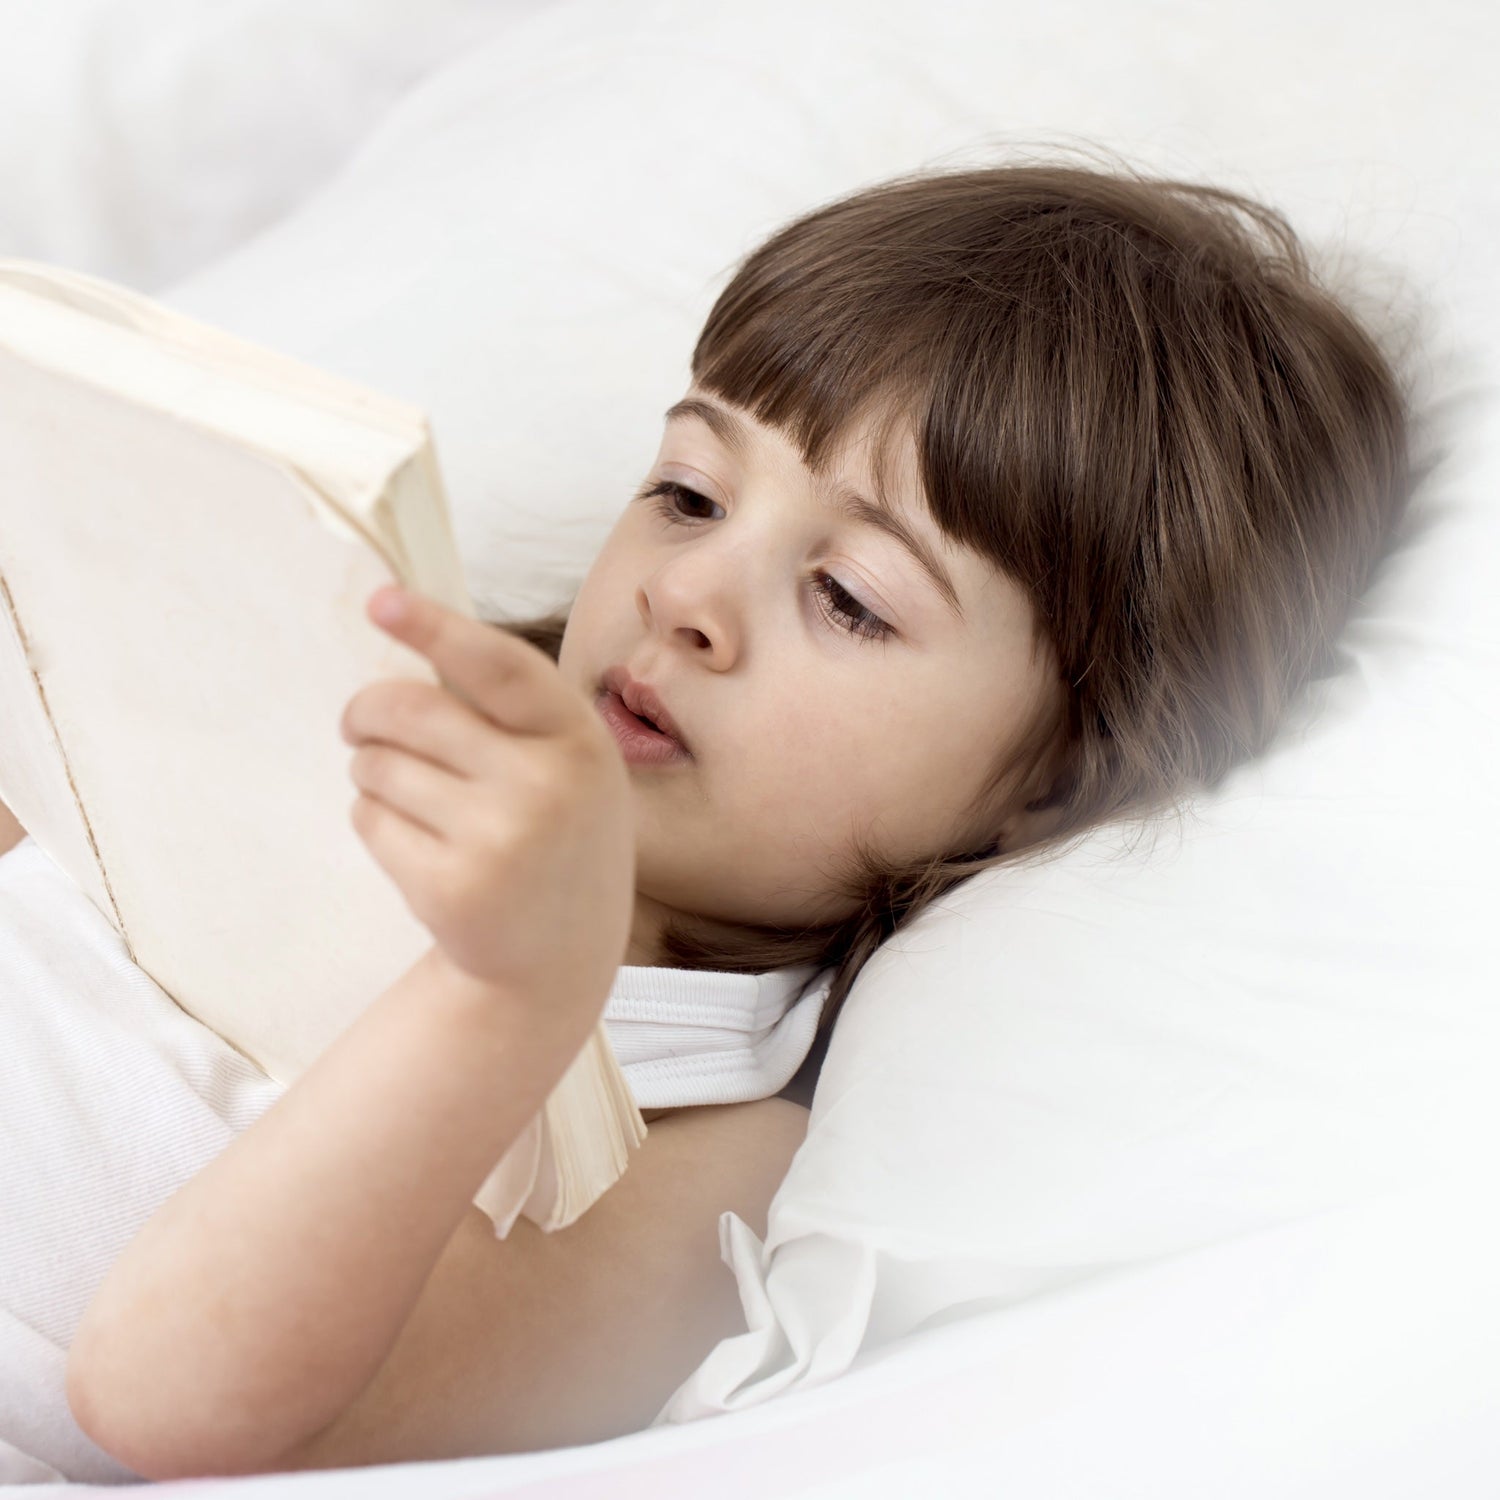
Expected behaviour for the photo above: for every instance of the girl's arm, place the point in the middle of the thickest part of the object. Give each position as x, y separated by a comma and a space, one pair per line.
265, 1295
259, 1301
269, 1289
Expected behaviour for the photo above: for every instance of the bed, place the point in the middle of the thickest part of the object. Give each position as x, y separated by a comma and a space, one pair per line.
1181, 1178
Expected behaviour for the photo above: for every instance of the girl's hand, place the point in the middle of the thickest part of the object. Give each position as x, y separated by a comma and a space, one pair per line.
500, 805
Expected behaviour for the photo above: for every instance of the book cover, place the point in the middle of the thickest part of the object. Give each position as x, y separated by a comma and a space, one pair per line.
189, 529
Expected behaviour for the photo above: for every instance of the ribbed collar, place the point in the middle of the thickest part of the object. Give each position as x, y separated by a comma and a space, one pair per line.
695, 1036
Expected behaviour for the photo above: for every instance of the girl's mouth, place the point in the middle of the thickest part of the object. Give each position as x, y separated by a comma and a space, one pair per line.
640, 741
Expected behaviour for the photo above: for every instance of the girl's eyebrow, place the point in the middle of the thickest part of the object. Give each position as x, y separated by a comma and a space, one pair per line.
863, 512
721, 422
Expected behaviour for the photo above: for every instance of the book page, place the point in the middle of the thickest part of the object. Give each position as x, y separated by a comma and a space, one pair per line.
201, 626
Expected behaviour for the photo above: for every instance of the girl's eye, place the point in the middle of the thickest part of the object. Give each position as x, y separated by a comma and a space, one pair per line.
835, 601
838, 604
668, 495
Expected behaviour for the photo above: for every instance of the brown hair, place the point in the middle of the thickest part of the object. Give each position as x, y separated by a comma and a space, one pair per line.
1134, 397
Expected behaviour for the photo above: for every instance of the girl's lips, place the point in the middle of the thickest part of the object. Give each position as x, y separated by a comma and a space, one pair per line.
639, 743
642, 701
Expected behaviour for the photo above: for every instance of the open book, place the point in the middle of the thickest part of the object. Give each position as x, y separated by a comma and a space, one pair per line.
189, 529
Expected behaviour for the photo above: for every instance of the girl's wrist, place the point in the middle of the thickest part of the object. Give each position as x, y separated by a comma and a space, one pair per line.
498, 1011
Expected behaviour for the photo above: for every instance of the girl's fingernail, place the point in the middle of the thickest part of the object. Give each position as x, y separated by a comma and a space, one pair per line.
388, 605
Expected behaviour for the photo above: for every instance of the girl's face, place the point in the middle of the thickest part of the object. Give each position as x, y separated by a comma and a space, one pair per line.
826, 683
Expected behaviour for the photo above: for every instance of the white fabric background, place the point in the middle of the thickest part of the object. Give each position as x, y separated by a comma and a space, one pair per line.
143, 138
1263, 1047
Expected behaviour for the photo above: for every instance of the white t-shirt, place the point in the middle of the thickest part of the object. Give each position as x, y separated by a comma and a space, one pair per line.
112, 1097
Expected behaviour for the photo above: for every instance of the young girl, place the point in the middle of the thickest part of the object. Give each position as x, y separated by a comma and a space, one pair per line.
1002, 502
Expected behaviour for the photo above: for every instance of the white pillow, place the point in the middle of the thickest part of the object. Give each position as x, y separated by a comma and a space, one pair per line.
1124, 1052
140, 139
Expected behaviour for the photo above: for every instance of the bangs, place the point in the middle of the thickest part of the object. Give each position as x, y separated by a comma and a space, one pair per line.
925, 328
815, 344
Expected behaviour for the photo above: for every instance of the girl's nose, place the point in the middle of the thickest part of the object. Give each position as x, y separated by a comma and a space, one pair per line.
694, 602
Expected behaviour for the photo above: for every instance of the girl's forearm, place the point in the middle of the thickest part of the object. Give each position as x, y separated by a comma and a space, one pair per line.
260, 1299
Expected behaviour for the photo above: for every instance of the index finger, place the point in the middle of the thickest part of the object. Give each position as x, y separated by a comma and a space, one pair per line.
501, 676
